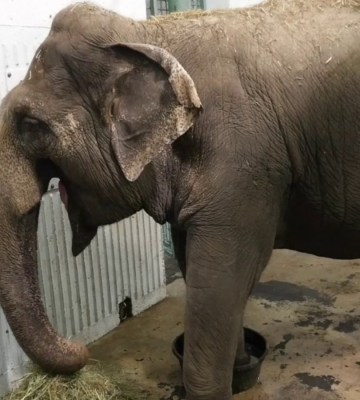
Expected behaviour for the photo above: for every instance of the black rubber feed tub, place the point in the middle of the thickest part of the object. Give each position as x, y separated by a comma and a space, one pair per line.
244, 376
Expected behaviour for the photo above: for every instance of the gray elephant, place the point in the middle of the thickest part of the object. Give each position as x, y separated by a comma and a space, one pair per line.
240, 128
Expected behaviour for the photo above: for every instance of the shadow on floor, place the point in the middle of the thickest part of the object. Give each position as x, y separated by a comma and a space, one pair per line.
172, 270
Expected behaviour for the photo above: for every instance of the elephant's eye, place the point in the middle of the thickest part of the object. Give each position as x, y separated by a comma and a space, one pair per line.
34, 135
30, 125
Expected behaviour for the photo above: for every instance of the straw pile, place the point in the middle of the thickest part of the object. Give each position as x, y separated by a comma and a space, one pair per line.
91, 383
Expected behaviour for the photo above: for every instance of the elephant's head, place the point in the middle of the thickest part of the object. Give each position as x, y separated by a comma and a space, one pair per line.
93, 112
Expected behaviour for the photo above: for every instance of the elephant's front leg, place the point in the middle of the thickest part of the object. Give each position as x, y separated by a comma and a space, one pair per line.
222, 264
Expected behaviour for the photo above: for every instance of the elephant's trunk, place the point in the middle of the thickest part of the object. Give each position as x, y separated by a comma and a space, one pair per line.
20, 195
21, 301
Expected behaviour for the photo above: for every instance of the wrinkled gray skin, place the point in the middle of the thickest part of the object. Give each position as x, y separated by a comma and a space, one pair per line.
242, 131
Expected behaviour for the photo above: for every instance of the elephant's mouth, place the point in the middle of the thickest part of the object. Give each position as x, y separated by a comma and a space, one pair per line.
63, 195
82, 231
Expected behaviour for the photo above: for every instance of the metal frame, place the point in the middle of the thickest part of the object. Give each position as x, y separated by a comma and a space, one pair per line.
163, 7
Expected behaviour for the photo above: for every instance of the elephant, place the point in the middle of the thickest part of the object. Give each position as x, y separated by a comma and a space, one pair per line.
240, 128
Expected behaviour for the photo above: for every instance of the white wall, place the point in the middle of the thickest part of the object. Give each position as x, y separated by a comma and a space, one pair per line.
243, 3
24, 24
216, 4
40, 13
220, 4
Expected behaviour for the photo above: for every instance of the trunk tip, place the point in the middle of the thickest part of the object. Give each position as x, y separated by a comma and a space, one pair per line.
72, 359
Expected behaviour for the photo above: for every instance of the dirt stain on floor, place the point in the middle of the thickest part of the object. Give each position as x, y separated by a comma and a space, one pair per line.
323, 382
276, 291
282, 344
349, 325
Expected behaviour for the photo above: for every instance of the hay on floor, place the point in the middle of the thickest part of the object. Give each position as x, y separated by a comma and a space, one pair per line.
91, 383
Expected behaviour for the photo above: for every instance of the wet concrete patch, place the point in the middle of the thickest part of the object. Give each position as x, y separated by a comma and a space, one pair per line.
310, 321
324, 382
282, 344
277, 291
295, 390
317, 318
348, 286
351, 324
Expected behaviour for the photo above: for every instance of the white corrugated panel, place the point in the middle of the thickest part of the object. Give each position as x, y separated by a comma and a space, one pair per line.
81, 295
12, 358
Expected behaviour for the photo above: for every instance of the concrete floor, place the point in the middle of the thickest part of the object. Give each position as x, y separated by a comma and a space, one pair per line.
308, 309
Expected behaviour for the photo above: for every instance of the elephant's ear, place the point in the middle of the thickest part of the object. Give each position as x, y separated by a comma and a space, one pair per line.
153, 103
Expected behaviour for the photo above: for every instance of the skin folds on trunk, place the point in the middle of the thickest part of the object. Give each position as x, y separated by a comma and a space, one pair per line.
22, 304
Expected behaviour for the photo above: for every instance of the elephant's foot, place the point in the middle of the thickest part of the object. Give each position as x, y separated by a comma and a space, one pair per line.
210, 393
